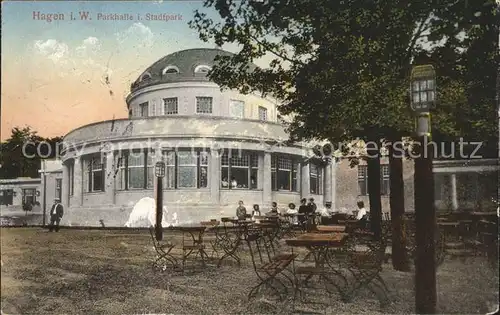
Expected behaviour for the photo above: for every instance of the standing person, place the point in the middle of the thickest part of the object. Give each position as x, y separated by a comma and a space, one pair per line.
312, 205
241, 211
303, 211
56, 214
291, 210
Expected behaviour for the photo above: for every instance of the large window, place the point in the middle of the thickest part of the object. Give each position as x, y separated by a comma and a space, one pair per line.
186, 169
239, 170
203, 105
136, 170
237, 109
363, 180
262, 113
316, 179
59, 188
94, 176
284, 173
170, 106
144, 109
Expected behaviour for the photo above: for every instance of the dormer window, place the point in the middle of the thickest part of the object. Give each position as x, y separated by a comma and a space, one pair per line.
146, 76
202, 69
170, 69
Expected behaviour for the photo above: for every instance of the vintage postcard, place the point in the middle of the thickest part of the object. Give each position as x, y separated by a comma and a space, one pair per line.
250, 157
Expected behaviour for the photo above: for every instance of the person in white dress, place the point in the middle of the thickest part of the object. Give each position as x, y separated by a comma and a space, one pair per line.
362, 211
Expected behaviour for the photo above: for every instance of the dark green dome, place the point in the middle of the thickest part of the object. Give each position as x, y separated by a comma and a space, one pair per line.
181, 66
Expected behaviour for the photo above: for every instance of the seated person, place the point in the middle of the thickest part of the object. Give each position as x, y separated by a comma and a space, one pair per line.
256, 210
361, 214
291, 210
241, 211
274, 209
224, 183
234, 183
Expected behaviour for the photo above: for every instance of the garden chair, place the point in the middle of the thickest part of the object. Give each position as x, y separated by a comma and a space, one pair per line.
269, 268
163, 256
365, 267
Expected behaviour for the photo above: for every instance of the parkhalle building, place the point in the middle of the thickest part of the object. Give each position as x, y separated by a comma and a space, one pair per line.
219, 147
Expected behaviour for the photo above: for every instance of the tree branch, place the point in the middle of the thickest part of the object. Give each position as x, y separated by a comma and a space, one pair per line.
266, 47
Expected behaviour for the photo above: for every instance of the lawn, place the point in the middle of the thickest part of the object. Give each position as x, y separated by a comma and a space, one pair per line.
109, 272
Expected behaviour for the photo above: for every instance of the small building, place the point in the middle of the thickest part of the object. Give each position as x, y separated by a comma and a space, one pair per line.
14, 193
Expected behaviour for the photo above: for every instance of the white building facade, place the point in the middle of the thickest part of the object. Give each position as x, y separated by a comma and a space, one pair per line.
219, 147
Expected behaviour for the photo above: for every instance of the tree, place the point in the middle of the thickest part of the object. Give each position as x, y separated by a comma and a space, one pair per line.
21, 154
350, 59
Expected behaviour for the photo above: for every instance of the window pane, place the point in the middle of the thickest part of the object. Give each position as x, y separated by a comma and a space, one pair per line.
136, 159
224, 177
362, 187
170, 106
169, 158
203, 177
253, 178
423, 85
273, 179
430, 96
295, 177
239, 177
243, 160
225, 159
186, 158
97, 180
204, 105
203, 158
423, 96
416, 86
237, 109
144, 109
430, 84
284, 180
314, 185
416, 99
170, 177
136, 178
151, 176
187, 176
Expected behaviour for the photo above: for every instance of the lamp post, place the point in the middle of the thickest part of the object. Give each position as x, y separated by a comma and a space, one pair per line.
423, 96
160, 173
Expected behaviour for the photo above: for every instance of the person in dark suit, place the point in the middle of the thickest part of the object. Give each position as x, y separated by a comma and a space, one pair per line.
56, 214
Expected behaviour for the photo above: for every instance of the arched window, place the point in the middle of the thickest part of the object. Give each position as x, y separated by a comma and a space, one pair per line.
145, 76
202, 69
170, 69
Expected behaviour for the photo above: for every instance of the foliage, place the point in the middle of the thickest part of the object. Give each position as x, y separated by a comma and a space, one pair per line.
341, 68
21, 154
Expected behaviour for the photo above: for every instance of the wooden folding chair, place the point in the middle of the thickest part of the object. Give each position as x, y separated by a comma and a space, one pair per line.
365, 266
268, 267
163, 256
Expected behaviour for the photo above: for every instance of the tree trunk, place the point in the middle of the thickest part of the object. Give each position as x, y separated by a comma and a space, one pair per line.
397, 202
373, 162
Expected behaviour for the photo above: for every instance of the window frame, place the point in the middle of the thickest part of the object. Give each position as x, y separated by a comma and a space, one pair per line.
263, 110
143, 106
199, 98
252, 168
275, 168
318, 179
91, 170
172, 165
384, 180
239, 102
72, 178
58, 188
167, 112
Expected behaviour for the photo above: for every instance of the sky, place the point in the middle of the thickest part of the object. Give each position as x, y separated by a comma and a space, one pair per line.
53, 72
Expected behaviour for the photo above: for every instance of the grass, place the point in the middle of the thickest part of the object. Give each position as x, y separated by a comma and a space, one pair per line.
109, 272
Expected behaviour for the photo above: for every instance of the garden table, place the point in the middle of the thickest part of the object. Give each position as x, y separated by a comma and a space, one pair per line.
196, 244
330, 228
320, 247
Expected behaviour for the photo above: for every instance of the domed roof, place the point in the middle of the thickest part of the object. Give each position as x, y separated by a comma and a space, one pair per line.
181, 66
